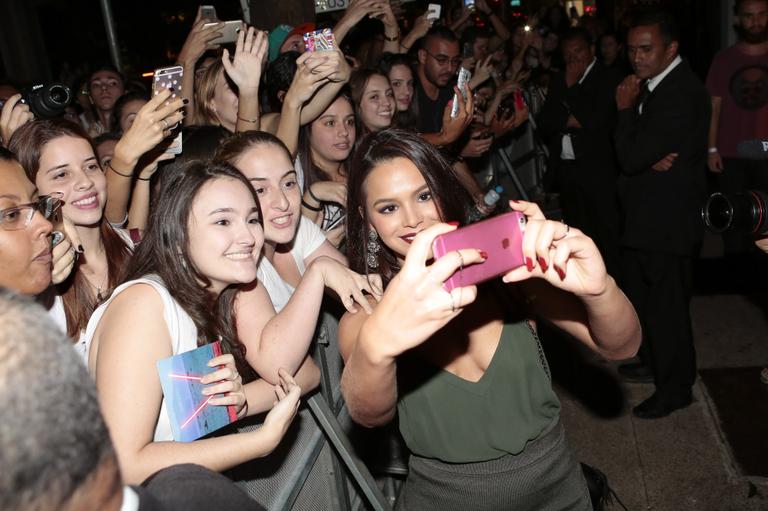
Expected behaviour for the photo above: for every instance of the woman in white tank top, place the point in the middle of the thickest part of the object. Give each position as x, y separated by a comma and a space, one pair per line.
200, 248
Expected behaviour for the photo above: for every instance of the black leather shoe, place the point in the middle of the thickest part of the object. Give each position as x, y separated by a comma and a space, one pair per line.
636, 372
659, 405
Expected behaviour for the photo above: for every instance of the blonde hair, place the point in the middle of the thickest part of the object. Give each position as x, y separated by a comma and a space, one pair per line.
205, 113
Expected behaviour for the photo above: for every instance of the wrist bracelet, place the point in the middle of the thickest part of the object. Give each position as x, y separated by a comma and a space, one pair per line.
251, 121
144, 178
310, 207
309, 191
109, 164
712, 150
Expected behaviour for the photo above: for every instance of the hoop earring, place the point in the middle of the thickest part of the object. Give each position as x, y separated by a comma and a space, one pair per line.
373, 248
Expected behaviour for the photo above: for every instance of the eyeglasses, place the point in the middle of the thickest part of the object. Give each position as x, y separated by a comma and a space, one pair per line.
444, 59
19, 217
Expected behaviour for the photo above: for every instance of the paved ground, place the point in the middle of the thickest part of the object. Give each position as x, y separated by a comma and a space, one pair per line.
680, 462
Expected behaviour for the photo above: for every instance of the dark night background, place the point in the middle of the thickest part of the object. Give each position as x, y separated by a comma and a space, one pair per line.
69, 38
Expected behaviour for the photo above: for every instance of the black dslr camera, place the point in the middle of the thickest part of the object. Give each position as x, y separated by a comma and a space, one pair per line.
739, 212
46, 101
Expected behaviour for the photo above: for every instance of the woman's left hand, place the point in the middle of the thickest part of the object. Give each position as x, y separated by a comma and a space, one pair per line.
562, 255
245, 68
227, 381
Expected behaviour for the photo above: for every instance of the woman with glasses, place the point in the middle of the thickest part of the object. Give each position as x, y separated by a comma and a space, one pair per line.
59, 158
27, 261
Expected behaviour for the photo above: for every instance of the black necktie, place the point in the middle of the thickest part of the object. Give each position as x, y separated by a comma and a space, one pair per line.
642, 97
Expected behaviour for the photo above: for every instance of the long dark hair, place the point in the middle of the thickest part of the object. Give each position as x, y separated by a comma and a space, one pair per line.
164, 251
409, 118
28, 142
313, 173
452, 199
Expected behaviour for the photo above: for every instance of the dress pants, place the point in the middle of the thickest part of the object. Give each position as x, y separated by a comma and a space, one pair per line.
659, 286
593, 209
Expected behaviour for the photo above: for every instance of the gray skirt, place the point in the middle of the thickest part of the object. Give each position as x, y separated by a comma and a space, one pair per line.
544, 477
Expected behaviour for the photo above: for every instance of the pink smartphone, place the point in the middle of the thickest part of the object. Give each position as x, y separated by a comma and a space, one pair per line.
501, 237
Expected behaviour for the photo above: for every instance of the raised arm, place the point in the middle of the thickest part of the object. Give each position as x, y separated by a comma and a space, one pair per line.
413, 308
282, 340
198, 41
130, 394
313, 71
150, 128
566, 274
245, 71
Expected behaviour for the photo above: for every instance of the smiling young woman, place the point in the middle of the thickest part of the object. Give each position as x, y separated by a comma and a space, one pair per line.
59, 158
474, 401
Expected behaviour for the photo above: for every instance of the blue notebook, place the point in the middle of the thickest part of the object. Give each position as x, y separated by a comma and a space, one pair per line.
191, 415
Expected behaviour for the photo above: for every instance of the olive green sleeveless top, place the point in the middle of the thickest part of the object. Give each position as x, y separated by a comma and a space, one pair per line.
454, 420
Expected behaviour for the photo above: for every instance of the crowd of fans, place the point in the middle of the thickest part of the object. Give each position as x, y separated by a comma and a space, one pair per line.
306, 174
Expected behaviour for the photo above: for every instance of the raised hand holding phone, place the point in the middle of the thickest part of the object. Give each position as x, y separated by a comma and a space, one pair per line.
562, 255
415, 303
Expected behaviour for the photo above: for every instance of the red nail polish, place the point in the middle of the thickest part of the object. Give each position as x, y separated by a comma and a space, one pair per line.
560, 272
543, 264
529, 263
484, 254
454, 223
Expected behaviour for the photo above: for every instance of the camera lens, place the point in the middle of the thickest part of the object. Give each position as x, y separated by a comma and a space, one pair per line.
48, 101
59, 95
739, 212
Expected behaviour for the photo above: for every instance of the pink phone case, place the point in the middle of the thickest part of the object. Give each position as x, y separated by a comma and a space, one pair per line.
501, 237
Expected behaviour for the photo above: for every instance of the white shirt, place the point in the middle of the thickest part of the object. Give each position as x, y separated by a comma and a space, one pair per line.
181, 330
308, 238
130, 500
656, 80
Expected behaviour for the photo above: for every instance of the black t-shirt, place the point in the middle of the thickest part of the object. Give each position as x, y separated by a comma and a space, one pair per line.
431, 112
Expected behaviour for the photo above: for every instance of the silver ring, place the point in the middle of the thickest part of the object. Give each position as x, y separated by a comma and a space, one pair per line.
567, 230
453, 303
461, 260
165, 124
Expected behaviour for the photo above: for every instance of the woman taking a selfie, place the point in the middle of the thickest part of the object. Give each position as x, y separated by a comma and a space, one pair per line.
474, 401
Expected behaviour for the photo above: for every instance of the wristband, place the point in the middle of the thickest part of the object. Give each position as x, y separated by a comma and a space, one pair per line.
251, 121
309, 191
712, 150
144, 178
310, 207
109, 165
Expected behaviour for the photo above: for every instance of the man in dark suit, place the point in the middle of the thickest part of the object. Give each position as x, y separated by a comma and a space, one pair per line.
661, 143
578, 118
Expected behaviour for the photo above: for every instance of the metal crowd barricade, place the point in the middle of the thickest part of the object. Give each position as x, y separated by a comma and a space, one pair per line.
315, 466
